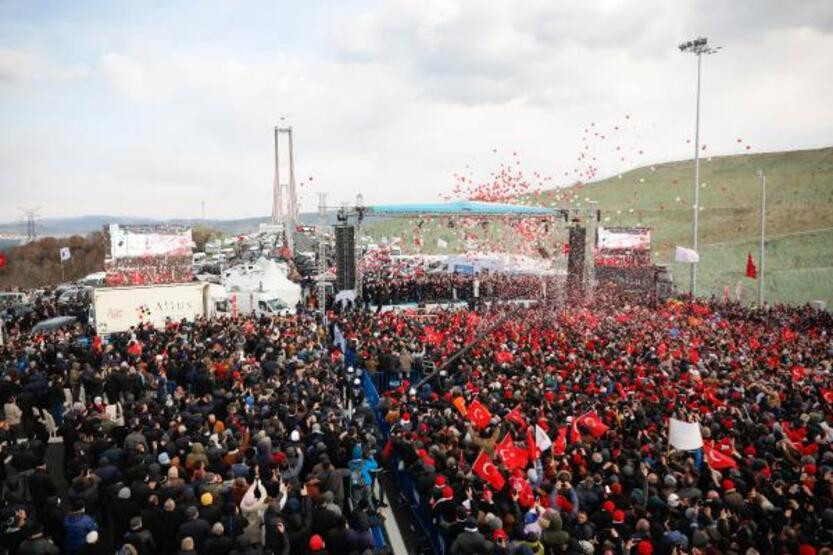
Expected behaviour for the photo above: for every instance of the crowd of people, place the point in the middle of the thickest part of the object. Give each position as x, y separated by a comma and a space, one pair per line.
226, 436
381, 288
541, 430
550, 434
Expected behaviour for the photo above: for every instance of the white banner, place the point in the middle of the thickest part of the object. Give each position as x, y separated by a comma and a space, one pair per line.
684, 436
132, 243
636, 238
65, 254
683, 254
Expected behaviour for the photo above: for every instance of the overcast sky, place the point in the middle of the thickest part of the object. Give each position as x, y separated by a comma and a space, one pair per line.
148, 108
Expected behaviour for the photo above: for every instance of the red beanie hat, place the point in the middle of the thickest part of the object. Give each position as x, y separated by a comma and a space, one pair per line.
316, 543
448, 492
806, 549
618, 516
727, 484
616, 488
644, 548
439, 481
608, 506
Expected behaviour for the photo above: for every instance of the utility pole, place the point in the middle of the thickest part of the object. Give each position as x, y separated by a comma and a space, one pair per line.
698, 46
762, 261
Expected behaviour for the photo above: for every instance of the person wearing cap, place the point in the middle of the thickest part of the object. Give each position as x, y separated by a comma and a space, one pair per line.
194, 527
470, 541
122, 510
316, 545
140, 537
209, 510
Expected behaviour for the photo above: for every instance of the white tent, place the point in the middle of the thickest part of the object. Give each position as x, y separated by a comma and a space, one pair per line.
263, 275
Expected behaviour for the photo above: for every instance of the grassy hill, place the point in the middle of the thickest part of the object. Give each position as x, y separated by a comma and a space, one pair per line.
799, 249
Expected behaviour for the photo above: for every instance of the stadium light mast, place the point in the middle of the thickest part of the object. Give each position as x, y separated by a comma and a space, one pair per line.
698, 47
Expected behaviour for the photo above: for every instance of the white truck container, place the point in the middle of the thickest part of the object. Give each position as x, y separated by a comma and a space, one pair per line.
117, 309
261, 303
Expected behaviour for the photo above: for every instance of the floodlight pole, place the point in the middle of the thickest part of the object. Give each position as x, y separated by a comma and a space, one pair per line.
699, 47
763, 240
696, 224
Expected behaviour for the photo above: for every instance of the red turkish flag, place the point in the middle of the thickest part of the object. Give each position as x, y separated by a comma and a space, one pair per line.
827, 395
511, 455
751, 270
526, 498
754, 343
798, 373
485, 468
2, 260
716, 459
592, 422
560, 445
478, 414
502, 357
432, 336
516, 417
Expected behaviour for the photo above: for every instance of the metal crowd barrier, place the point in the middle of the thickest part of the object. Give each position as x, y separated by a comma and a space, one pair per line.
420, 510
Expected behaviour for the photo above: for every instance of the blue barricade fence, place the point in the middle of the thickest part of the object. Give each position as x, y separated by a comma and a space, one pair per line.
374, 383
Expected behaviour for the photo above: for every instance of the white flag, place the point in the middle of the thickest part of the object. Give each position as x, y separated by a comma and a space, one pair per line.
542, 440
686, 255
442, 243
684, 436
64, 252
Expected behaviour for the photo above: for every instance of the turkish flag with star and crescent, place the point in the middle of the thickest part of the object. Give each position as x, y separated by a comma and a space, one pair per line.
478, 414
485, 468
716, 459
511, 455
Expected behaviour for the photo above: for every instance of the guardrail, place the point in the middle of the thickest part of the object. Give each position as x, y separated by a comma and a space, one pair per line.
374, 383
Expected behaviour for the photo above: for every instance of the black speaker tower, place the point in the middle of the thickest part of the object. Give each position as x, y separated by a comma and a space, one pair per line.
575, 260
345, 257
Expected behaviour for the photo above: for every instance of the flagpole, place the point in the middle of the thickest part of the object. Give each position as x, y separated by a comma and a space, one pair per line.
763, 240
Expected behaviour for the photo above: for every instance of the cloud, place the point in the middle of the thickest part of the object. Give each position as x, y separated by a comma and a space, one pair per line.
21, 66
391, 97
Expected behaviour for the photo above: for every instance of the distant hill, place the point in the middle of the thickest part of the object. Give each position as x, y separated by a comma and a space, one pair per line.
81, 225
799, 265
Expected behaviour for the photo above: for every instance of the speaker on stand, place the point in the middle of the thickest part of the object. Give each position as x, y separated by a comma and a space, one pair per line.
345, 257
575, 261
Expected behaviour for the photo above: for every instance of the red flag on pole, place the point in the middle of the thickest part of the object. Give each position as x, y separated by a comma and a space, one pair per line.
478, 414
2, 260
751, 270
511, 455
484, 468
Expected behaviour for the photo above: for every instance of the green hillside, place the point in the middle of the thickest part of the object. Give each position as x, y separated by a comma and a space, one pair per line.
799, 219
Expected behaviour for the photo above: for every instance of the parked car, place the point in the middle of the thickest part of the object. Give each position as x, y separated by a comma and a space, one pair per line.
53, 324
